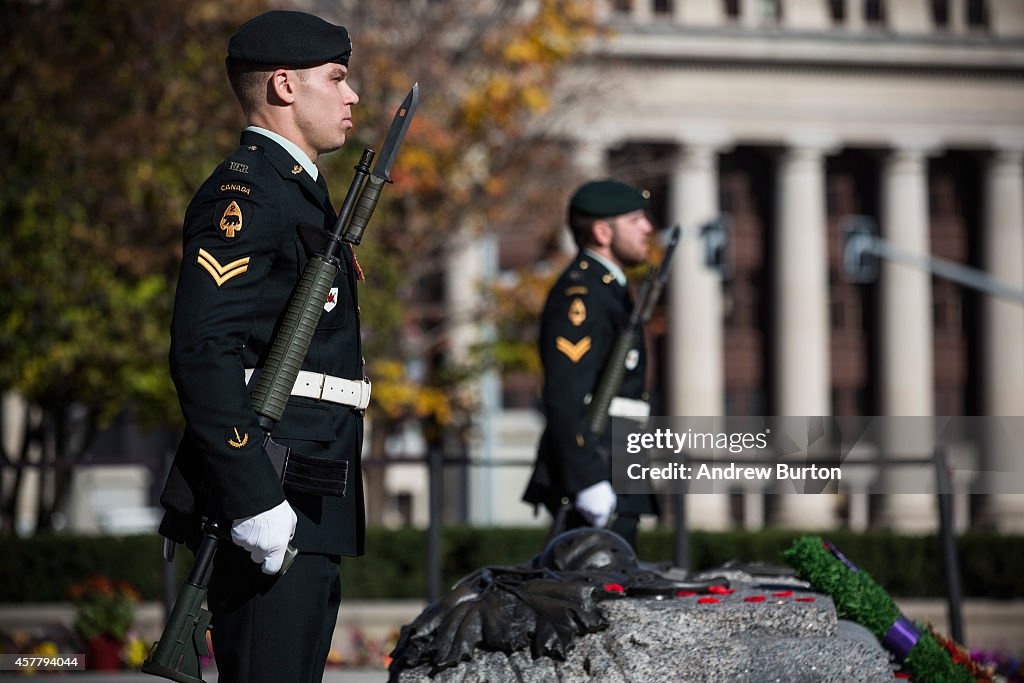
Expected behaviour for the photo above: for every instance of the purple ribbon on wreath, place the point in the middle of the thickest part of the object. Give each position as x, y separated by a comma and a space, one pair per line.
901, 637
842, 558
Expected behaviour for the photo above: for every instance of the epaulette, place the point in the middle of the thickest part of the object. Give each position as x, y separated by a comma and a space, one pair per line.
245, 160
584, 269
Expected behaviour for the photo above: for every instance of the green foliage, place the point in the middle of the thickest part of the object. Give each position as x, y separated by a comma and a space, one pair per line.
113, 113
856, 594
859, 598
42, 567
103, 607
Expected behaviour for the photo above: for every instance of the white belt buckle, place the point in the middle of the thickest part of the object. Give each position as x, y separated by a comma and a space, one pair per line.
364, 394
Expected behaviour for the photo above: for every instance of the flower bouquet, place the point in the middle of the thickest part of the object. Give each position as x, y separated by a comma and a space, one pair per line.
105, 612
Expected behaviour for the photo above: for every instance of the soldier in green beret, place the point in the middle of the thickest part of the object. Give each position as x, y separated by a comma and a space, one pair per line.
247, 236
585, 309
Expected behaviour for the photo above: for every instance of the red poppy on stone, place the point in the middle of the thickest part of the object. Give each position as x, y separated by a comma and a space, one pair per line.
708, 601
720, 590
782, 594
684, 594
614, 588
804, 599
754, 598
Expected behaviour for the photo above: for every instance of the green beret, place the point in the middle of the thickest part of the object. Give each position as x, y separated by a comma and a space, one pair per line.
603, 198
285, 38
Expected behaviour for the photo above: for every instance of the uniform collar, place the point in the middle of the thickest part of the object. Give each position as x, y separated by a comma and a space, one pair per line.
301, 157
617, 272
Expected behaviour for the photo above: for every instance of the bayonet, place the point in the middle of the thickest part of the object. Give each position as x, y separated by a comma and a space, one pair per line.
381, 173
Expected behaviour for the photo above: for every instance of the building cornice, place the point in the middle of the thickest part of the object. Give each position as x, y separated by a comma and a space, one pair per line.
833, 49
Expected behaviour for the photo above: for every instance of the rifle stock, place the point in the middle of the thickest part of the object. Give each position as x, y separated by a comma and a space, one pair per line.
177, 655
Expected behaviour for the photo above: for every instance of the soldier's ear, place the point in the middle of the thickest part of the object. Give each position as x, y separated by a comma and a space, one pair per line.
281, 86
602, 233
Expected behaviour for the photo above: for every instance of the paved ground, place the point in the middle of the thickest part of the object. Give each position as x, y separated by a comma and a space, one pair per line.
332, 676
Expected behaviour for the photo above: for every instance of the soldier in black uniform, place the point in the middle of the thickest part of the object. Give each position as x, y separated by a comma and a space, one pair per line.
248, 234
586, 308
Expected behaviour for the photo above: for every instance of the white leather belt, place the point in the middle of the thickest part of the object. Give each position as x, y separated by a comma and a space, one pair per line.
629, 407
316, 385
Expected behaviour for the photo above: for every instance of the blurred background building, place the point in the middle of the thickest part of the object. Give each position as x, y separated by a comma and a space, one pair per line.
793, 119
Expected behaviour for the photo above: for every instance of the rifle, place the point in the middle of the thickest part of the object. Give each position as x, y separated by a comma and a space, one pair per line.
176, 656
615, 369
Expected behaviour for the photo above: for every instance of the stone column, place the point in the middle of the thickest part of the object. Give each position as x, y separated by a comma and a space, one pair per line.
1006, 18
1003, 352
468, 265
855, 15
641, 12
803, 373
909, 16
749, 16
591, 158
957, 16
907, 381
805, 15
698, 13
695, 363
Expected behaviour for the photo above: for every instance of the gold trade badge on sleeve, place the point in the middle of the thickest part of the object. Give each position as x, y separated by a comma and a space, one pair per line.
607, 278
240, 440
573, 351
221, 273
577, 312
296, 169
231, 220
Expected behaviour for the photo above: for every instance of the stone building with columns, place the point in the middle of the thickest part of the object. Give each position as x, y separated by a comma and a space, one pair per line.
790, 117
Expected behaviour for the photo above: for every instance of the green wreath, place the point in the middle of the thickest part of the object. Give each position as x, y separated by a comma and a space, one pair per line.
923, 654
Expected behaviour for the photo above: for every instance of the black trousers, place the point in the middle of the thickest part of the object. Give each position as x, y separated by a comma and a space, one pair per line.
269, 629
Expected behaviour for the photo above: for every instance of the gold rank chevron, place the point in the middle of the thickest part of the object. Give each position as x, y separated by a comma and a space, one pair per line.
219, 273
573, 351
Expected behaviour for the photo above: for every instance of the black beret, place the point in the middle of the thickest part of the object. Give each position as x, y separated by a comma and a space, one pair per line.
602, 198
285, 38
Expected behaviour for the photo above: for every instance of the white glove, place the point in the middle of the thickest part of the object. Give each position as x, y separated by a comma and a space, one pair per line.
265, 536
597, 503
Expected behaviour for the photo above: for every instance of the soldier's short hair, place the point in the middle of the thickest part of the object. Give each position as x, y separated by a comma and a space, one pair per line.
581, 225
248, 82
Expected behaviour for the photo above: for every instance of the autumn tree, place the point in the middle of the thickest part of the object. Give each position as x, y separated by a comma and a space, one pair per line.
114, 112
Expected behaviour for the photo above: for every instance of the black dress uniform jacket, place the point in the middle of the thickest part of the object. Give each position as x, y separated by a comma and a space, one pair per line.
582, 317
248, 234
